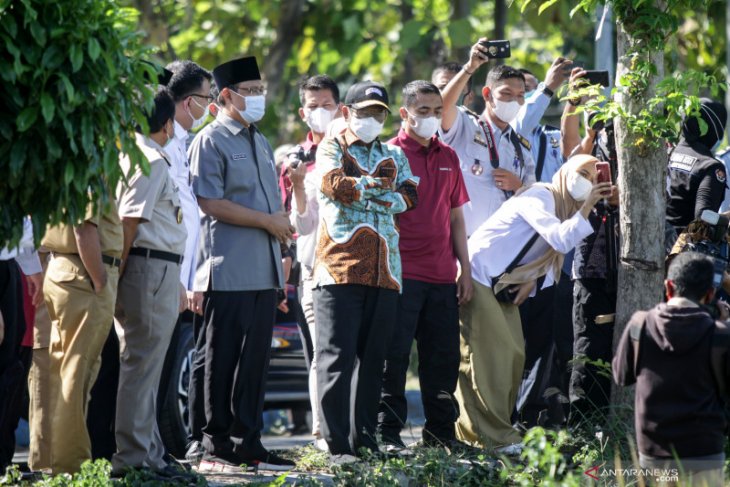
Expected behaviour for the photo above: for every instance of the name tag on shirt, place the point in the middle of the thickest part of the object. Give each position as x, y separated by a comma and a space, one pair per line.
444, 169
237, 157
682, 162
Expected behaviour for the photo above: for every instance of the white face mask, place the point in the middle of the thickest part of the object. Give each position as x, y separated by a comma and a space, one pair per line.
506, 111
197, 122
366, 129
578, 186
255, 107
319, 118
424, 127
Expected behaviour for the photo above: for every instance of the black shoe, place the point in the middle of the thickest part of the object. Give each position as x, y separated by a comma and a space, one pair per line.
268, 461
173, 472
225, 462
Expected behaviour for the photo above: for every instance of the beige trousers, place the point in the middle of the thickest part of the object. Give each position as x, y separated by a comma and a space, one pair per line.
492, 362
80, 320
39, 413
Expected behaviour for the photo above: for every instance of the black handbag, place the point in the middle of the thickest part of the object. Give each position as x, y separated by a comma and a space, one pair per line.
504, 295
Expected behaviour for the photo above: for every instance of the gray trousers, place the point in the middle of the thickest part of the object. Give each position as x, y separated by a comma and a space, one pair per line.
149, 297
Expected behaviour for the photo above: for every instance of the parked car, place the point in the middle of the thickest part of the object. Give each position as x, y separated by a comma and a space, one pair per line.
286, 382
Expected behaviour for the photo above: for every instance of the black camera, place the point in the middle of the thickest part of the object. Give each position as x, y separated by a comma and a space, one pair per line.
299, 154
499, 49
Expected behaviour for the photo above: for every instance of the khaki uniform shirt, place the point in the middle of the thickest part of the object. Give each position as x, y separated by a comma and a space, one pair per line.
61, 238
154, 200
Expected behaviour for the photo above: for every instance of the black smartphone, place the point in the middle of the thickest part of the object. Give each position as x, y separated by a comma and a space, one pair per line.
497, 49
597, 78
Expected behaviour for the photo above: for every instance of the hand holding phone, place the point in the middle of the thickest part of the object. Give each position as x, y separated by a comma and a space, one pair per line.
597, 78
499, 49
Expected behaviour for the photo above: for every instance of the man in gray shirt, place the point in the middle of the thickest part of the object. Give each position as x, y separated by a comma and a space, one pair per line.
239, 268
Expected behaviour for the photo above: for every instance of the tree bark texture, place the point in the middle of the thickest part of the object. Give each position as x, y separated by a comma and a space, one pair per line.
641, 179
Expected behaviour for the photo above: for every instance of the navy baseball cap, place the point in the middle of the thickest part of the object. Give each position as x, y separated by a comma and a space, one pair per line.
367, 94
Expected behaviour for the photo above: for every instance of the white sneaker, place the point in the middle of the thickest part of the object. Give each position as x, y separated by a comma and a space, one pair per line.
513, 450
321, 445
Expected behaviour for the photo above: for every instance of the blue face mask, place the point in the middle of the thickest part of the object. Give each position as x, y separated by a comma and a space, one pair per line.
528, 94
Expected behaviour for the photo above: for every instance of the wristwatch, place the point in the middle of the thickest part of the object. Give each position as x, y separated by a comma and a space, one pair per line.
545, 89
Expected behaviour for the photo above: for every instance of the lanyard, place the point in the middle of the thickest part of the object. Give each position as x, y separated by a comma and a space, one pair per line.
491, 146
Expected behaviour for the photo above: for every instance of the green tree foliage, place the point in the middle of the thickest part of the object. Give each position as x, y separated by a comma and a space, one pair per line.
74, 89
391, 41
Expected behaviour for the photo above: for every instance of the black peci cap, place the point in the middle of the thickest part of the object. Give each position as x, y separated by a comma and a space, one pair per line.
236, 71
366, 94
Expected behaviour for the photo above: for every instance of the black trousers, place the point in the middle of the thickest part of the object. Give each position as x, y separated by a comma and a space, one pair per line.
12, 368
429, 313
590, 385
354, 323
536, 316
238, 328
196, 386
103, 404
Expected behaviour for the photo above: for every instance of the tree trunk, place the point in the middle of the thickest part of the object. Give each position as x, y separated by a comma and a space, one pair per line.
290, 28
641, 179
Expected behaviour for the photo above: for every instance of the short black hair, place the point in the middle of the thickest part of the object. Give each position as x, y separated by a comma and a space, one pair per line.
526, 71
162, 112
412, 89
450, 67
317, 83
692, 275
187, 78
501, 73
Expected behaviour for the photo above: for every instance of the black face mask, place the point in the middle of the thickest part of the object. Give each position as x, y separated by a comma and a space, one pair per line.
715, 116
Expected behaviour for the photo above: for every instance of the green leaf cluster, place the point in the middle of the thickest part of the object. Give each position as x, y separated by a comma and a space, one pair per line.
74, 91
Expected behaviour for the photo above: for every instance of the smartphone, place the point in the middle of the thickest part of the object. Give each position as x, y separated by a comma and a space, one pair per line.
497, 49
597, 77
604, 172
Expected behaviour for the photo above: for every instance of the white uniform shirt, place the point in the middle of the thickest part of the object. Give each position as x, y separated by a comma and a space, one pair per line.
180, 173
307, 223
24, 254
467, 138
497, 242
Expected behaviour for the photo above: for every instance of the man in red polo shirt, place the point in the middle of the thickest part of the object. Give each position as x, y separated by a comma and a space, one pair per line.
432, 239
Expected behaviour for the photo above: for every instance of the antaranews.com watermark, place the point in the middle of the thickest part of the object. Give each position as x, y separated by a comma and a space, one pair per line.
603, 472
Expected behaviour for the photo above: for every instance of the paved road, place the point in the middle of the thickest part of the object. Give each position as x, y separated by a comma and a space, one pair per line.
410, 434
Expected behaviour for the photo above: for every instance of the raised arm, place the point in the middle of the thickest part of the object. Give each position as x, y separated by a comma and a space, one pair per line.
452, 91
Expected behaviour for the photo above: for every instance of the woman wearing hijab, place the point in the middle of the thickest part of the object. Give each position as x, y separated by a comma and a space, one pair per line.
520, 246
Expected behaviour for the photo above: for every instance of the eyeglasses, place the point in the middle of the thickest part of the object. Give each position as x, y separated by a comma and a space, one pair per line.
377, 113
207, 98
256, 90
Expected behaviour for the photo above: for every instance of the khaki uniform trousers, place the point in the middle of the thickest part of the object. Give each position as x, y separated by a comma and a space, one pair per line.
149, 298
490, 373
81, 321
39, 413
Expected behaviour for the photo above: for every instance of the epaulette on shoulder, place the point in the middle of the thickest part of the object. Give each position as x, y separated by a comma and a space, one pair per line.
469, 112
524, 141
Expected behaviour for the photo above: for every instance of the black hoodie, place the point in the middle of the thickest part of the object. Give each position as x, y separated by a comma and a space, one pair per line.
678, 405
697, 179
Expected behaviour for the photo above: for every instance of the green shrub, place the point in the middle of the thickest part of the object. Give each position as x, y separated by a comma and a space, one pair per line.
74, 90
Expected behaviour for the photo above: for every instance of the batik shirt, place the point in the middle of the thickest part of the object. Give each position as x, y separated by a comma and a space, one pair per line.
362, 189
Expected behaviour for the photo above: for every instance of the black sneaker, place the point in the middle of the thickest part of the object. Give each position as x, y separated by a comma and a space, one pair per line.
222, 462
268, 461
